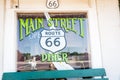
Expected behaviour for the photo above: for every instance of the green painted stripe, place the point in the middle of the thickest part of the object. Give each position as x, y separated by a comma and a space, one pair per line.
55, 74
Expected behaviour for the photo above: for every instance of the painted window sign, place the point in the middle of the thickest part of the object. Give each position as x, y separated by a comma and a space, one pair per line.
61, 41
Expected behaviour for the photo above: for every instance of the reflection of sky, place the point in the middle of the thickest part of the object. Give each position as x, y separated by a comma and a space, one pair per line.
75, 43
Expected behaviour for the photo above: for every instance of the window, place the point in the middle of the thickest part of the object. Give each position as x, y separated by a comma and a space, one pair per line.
69, 38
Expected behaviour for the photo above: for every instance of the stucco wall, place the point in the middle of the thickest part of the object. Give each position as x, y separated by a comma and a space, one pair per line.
64, 4
109, 27
1, 35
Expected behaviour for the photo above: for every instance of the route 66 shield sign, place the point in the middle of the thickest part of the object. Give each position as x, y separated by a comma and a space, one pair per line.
53, 40
52, 4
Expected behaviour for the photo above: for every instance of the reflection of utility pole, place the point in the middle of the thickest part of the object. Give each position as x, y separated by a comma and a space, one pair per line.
24, 58
83, 65
68, 49
86, 50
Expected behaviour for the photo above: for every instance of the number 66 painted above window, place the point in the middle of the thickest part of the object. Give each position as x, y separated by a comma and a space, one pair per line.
52, 4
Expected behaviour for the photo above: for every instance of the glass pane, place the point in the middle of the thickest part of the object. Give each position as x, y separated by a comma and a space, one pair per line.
68, 41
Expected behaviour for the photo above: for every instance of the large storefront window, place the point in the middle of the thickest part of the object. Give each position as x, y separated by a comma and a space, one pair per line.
59, 42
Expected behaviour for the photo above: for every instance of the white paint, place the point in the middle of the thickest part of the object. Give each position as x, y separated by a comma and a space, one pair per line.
9, 63
64, 4
1, 35
94, 37
10, 42
109, 25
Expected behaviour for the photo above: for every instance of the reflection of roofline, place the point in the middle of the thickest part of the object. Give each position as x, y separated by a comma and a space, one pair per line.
79, 61
54, 15
39, 62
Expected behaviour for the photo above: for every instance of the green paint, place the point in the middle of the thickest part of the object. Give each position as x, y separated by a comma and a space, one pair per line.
56, 21
73, 25
40, 23
53, 74
81, 27
30, 25
60, 57
50, 22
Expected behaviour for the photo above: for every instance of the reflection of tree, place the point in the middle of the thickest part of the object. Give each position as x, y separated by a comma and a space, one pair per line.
23, 56
38, 57
27, 56
74, 53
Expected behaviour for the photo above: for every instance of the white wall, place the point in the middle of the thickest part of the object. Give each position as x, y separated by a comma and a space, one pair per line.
25, 6
104, 31
109, 26
1, 35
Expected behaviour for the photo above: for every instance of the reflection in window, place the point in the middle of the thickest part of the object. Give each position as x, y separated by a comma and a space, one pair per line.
29, 51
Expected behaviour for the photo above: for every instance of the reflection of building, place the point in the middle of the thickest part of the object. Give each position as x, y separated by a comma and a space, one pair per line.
79, 57
80, 60
20, 56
